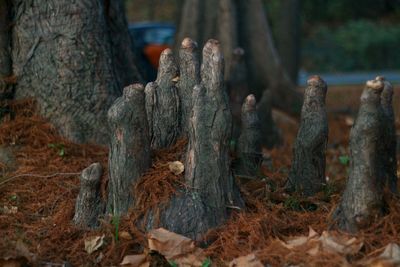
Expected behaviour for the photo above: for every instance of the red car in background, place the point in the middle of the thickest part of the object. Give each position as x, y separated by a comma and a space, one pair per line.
149, 40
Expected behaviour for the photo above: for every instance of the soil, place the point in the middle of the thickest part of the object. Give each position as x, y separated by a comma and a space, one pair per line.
37, 197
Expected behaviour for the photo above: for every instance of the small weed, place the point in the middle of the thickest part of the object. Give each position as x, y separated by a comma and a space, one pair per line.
206, 263
173, 264
59, 147
115, 221
292, 203
344, 160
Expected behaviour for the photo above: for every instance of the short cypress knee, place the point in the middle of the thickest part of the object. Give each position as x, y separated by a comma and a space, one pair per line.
163, 104
307, 173
362, 199
129, 147
249, 149
390, 143
88, 205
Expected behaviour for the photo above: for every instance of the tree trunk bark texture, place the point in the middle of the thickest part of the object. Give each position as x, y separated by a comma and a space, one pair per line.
210, 185
362, 200
242, 23
5, 49
249, 150
389, 140
62, 56
89, 205
307, 173
129, 147
163, 104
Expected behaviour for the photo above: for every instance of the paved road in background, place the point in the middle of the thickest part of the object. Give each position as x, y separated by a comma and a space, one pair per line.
351, 78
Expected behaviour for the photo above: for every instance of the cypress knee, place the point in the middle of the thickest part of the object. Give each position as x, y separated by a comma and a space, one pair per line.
189, 67
307, 173
163, 104
88, 205
389, 141
129, 147
211, 190
249, 145
362, 199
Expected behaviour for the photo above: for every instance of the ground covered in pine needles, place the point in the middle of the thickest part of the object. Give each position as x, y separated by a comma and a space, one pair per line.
39, 186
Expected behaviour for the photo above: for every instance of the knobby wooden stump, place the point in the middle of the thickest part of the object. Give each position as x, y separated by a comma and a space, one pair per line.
389, 156
211, 190
189, 68
307, 173
129, 147
249, 145
163, 104
88, 205
362, 200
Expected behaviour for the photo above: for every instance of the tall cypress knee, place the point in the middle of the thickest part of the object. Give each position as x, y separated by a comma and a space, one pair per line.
129, 147
163, 104
249, 145
210, 191
389, 156
307, 174
189, 67
362, 199
88, 203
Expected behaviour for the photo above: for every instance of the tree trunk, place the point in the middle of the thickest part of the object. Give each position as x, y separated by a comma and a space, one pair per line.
62, 56
249, 150
88, 205
163, 105
390, 140
288, 36
307, 174
5, 47
362, 200
211, 190
129, 147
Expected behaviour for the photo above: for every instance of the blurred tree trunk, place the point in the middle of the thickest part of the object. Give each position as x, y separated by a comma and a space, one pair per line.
5, 46
243, 23
288, 37
73, 58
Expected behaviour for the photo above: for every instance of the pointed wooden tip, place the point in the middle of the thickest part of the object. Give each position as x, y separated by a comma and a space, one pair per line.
375, 85
315, 80
380, 78
166, 52
238, 51
250, 103
188, 43
213, 47
133, 89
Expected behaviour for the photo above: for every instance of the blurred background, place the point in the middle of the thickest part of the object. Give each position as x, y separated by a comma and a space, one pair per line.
346, 41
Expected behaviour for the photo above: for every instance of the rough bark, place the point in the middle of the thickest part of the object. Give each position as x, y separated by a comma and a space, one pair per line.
129, 147
189, 67
242, 23
362, 200
121, 44
249, 150
389, 156
88, 205
307, 173
62, 56
288, 36
163, 104
211, 188
270, 134
5, 48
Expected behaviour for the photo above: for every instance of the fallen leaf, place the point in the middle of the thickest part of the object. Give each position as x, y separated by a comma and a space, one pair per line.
125, 235
246, 261
93, 243
176, 167
340, 243
176, 248
135, 261
349, 121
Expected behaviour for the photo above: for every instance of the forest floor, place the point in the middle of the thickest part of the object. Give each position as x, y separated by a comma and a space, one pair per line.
38, 189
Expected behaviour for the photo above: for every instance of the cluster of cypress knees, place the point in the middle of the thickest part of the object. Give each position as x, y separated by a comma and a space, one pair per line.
189, 100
